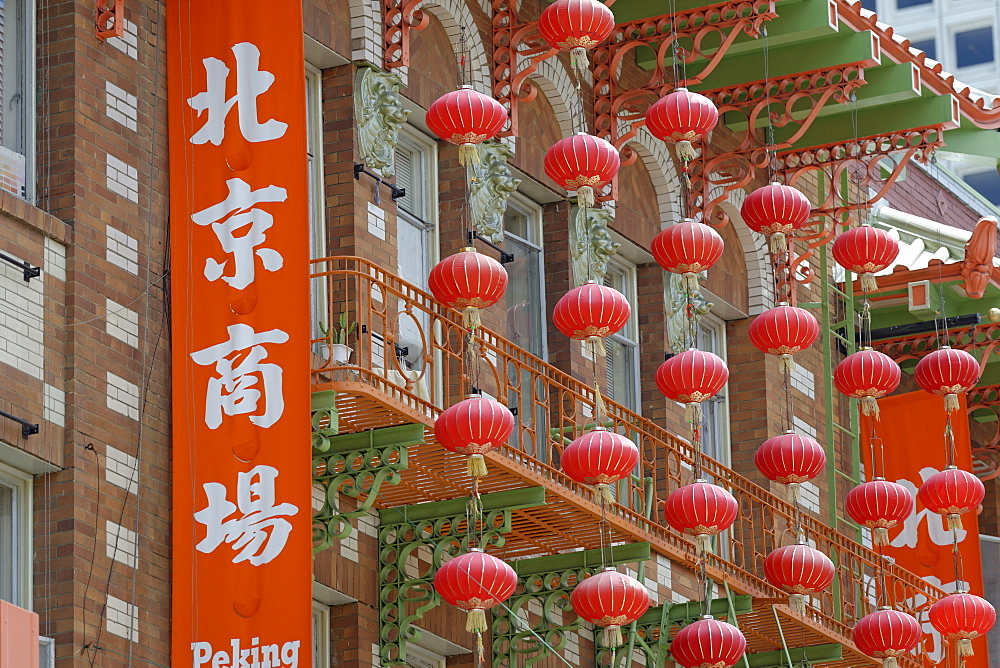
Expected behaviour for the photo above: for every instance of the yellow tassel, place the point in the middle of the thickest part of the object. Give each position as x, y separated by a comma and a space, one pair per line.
480, 650
880, 536
950, 403
613, 636
965, 647
471, 318
477, 466
786, 364
585, 197
869, 406
777, 243
690, 282
475, 621
797, 602
693, 413
868, 282
468, 154
603, 495
702, 544
793, 493
890, 662
599, 406
954, 522
685, 151
579, 60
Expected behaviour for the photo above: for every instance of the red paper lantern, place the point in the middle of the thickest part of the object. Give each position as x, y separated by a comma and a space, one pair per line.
867, 375
708, 643
790, 459
682, 117
962, 617
865, 251
948, 372
467, 118
776, 210
799, 570
687, 248
690, 378
468, 281
784, 330
879, 505
582, 163
475, 582
600, 458
474, 427
576, 26
952, 493
590, 313
886, 634
701, 510
610, 599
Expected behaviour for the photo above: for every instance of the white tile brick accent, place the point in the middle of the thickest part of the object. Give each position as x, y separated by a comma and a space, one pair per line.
55, 260
128, 43
123, 178
368, 524
376, 221
54, 405
121, 543
123, 250
122, 619
318, 498
122, 323
123, 396
803, 426
349, 547
571, 652
121, 106
376, 656
21, 321
804, 381
809, 497
119, 469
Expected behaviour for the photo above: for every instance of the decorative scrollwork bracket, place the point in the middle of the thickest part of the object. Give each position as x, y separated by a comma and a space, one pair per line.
109, 18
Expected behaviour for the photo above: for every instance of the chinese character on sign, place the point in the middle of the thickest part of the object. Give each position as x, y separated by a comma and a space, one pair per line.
936, 525
243, 248
250, 82
242, 378
258, 531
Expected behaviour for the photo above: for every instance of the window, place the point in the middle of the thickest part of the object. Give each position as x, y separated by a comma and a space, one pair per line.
421, 657
622, 361
903, 4
317, 213
928, 46
870, 5
986, 184
525, 290
973, 47
17, 85
711, 337
321, 635
15, 537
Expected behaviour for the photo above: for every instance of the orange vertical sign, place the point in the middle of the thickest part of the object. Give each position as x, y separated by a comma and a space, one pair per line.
242, 568
912, 428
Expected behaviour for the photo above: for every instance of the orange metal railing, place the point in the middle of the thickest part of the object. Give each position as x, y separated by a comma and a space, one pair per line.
431, 370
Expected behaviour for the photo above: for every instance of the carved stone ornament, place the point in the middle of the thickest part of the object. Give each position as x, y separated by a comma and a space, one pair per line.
490, 184
679, 336
379, 116
590, 243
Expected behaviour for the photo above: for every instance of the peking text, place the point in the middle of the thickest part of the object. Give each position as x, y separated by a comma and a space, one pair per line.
254, 656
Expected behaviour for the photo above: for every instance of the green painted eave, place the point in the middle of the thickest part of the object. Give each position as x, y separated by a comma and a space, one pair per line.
800, 656
514, 499
626, 11
971, 145
402, 435
621, 554
896, 312
719, 607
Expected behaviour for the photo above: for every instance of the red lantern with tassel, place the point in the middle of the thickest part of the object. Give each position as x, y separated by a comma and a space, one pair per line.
600, 458
947, 372
474, 427
691, 377
681, 118
962, 617
610, 599
475, 582
790, 459
468, 281
701, 510
784, 330
952, 493
867, 375
708, 643
576, 26
879, 505
582, 163
865, 251
775, 210
466, 118
887, 634
799, 570
687, 248
590, 313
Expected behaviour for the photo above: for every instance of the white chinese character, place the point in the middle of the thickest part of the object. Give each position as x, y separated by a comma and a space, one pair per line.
243, 248
235, 391
936, 525
258, 532
250, 82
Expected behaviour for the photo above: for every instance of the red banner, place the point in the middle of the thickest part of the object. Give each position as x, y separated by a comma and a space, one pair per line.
242, 567
912, 428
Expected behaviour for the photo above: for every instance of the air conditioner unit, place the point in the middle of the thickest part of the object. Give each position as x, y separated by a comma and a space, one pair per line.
46, 652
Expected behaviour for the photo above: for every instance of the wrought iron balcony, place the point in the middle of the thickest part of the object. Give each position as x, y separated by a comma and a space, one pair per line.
408, 364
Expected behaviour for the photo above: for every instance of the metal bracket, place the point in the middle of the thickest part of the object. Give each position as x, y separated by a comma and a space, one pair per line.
27, 428
359, 169
25, 266
505, 257
109, 18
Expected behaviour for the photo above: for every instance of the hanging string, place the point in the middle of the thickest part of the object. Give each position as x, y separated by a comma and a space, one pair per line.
770, 149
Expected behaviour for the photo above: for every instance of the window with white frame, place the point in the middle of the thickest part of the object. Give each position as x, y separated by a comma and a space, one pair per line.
711, 337
17, 86
421, 657
15, 537
622, 359
317, 213
321, 634
526, 287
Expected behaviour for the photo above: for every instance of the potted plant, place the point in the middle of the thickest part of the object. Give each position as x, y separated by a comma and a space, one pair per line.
339, 351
